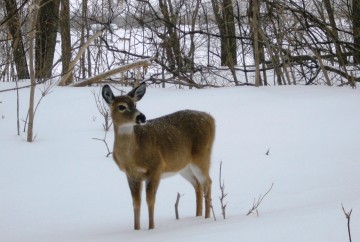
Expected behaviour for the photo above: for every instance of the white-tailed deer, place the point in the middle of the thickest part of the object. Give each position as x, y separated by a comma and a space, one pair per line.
180, 142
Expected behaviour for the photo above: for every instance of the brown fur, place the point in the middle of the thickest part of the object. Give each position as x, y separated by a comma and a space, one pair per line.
178, 142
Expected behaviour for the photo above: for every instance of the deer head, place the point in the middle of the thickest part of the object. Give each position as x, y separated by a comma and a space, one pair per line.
123, 108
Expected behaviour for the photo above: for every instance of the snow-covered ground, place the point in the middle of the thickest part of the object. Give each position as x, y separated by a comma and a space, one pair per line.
63, 188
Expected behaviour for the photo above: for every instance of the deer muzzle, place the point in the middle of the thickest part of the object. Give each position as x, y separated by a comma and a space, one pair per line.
140, 118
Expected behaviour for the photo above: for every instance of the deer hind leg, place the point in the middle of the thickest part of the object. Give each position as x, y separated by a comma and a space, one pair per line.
152, 185
207, 194
190, 177
135, 188
199, 199
204, 181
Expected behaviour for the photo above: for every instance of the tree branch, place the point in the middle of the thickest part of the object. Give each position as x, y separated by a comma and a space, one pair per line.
102, 76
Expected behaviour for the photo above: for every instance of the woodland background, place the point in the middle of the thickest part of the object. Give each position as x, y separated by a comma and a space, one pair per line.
190, 43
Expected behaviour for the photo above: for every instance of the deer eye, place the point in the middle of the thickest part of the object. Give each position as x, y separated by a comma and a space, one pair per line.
121, 107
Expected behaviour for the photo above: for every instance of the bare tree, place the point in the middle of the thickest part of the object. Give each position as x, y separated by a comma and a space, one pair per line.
17, 45
254, 12
31, 113
316, 45
65, 40
84, 32
224, 15
190, 58
46, 33
170, 39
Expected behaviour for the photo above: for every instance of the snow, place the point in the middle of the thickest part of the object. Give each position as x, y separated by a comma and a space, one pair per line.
62, 187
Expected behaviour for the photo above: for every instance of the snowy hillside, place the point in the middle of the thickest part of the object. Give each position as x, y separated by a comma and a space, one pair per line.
63, 188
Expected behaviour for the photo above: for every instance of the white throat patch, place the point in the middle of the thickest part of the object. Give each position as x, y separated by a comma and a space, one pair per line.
126, 129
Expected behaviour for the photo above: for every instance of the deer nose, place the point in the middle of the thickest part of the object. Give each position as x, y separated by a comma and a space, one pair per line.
140, 119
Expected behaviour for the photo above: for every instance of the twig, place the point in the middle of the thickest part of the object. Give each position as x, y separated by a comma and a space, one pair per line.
23, 87
267, 152
103, 110
104, 140
223, 194
17, 108
257, 203
177, 205
212, 209
46, 91
348, 216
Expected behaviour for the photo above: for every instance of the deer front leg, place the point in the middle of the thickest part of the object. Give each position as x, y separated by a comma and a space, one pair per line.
152, 185
135, 188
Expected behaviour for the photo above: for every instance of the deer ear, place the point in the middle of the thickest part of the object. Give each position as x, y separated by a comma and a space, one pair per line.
107, 94
138, 92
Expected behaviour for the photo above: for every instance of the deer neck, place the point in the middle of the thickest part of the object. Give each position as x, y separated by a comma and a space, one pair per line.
124, 136
124, 144
126, 129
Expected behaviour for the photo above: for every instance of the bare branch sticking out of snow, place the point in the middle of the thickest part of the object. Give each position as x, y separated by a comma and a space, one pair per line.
223, 194
267, 152
177, 206
103, 110
257, 202
348, 216
104, 140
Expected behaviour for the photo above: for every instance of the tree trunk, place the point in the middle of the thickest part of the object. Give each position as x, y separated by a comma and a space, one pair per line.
46, 37
356, 29
228, 42
226, 23
254, 23
33, 18
239, 23
65, 40
17, 43
171, 41
333, 32
191, 56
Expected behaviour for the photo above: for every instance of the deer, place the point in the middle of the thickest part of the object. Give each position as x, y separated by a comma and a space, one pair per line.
148, 150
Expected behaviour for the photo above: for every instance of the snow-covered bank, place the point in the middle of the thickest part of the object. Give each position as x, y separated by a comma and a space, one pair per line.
63, 188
